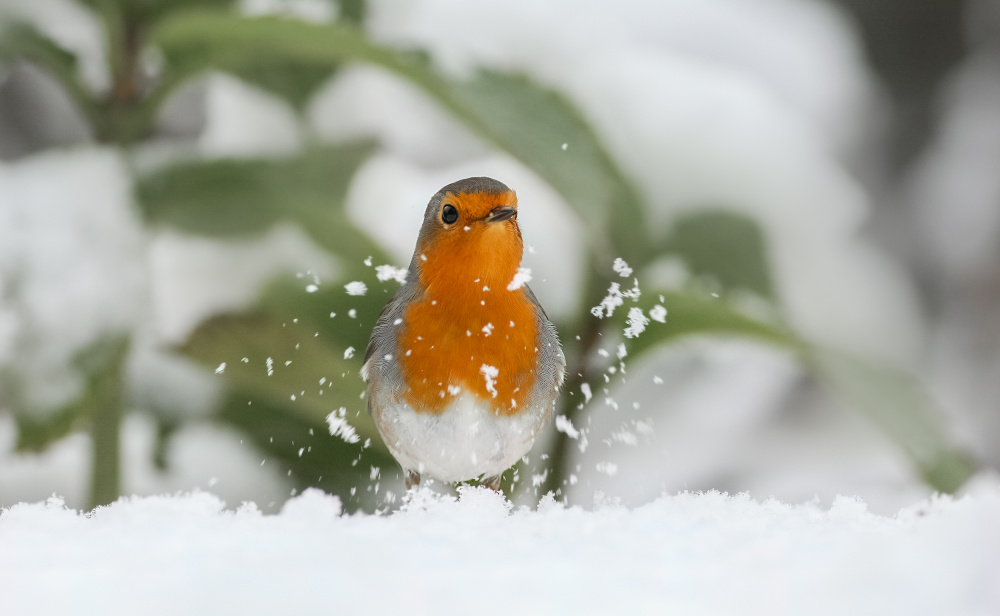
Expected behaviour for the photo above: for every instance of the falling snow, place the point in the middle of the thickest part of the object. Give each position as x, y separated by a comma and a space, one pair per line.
621, 268
356, 288
658, 313
522, 277
608, 468
564, 425
390, 272
490, 373
611, 301
339, 427
637, 322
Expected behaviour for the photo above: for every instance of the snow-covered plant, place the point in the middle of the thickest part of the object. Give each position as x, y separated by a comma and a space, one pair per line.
289, 360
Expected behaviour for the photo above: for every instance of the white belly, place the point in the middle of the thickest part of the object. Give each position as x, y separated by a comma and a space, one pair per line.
464, 442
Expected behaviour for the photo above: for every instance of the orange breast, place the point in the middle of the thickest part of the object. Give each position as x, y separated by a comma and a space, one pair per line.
468, 333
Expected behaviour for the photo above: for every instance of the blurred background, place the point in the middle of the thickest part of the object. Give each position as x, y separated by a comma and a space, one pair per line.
806, 194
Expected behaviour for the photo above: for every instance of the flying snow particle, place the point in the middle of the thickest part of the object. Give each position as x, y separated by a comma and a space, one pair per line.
611, 301
608, 468
634, 294
368, 261
621, 268
637, 322
563, 424
487, 329
658, 313
522, 276
587, 394
270, 366
349, 352
490, 373
356, 288
390, 272
564, 146
339, 427
311, 288
221, 368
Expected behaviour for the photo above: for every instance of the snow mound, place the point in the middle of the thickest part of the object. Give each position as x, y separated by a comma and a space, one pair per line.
688, 553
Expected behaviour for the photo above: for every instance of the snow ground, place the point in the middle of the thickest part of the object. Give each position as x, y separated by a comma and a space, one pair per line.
689, 553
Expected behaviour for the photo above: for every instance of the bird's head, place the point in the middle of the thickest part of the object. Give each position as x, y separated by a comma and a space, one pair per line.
470, 229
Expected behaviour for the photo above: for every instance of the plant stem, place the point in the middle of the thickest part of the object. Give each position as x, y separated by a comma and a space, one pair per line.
105, 429
106, 441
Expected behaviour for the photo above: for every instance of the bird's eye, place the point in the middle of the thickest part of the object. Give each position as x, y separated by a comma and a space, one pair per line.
449, 214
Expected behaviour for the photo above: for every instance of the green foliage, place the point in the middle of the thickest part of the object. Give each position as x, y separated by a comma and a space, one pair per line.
284, 412
691, 314
725, 246
244, 197
98, 409
101, 365
896, 402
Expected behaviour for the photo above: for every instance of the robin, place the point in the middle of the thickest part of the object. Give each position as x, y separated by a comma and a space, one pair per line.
463, 366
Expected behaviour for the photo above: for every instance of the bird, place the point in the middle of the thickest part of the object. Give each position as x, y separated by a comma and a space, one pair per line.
463, 367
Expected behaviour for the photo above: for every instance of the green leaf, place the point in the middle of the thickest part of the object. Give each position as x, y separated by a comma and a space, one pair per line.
295, 82
287, 299
147, 11
691, 314
306, 448
897, 403
285, 364
532, 123
19, 41
291, 380
529, 121
353, 11
239, 197
727, 246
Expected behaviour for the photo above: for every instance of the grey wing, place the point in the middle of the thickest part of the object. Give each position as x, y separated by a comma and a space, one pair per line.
551, 360
380, 370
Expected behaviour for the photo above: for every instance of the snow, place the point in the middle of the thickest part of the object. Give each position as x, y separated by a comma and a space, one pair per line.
565, 425
611, 301
686, 553
490, 373
65, 247
356, 288
637, 322
319, 11
621, 268
340, 427
390, 272
521, 277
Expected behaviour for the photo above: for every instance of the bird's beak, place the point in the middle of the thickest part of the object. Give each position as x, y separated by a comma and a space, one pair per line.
498, 214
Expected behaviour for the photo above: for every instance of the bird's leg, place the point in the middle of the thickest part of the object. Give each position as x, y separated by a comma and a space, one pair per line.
492, 483
412, 479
